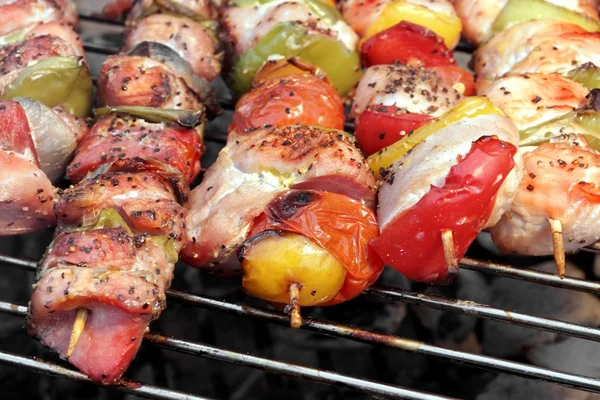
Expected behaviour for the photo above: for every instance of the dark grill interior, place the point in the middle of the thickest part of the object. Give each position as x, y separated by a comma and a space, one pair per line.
359, 340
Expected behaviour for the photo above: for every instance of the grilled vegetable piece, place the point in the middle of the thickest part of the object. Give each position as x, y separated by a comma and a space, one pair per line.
55, 134
448, 192
543, 46
342, 65
178, 147
531, 101
300, 227
48, 69
584, 13
406, 43
255, 168
142, 81
380, 126
560, 182
194, 42
288, 99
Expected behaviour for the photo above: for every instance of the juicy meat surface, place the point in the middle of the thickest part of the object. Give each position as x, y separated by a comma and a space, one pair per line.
532, 99
146, 200
543, 46
415, 90
23, 14
113, 138
142, 81
189, 39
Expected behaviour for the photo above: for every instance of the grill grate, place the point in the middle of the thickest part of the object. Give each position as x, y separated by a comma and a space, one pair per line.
335, 330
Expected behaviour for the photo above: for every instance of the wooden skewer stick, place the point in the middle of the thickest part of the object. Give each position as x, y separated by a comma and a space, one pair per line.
559, 247
295, 317
449, 253
77, 330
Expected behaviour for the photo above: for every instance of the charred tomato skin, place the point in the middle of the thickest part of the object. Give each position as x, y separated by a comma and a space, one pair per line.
411, 243
295, 99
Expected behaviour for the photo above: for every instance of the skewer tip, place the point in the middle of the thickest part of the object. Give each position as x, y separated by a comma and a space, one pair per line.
77, 329
449, 253
558, 244
295, 316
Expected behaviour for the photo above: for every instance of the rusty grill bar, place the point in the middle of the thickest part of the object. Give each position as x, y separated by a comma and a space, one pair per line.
375, 389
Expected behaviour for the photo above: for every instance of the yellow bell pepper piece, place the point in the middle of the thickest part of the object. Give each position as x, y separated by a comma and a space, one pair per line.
448, 27
469, 107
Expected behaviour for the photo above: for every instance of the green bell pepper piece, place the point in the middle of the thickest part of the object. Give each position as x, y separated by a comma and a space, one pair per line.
585, 123
341, 65
519, 11
55, 81
588, 75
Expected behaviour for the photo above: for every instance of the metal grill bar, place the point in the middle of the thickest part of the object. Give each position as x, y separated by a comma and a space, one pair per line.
531, 275
402, 295
364, 336
278, 367
136, 388
485, 311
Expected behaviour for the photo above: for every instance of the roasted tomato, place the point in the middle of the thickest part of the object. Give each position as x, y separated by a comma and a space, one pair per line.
380, 126
406, 43
453, 74
302, 99
412, 242
319, 240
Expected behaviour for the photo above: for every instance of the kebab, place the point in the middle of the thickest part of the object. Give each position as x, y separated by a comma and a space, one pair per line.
412, 76
288, 202
538, 68
121, 226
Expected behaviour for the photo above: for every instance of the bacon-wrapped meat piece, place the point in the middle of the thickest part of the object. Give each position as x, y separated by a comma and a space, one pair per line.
22, 15
142, 81
122, 224
194, 42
